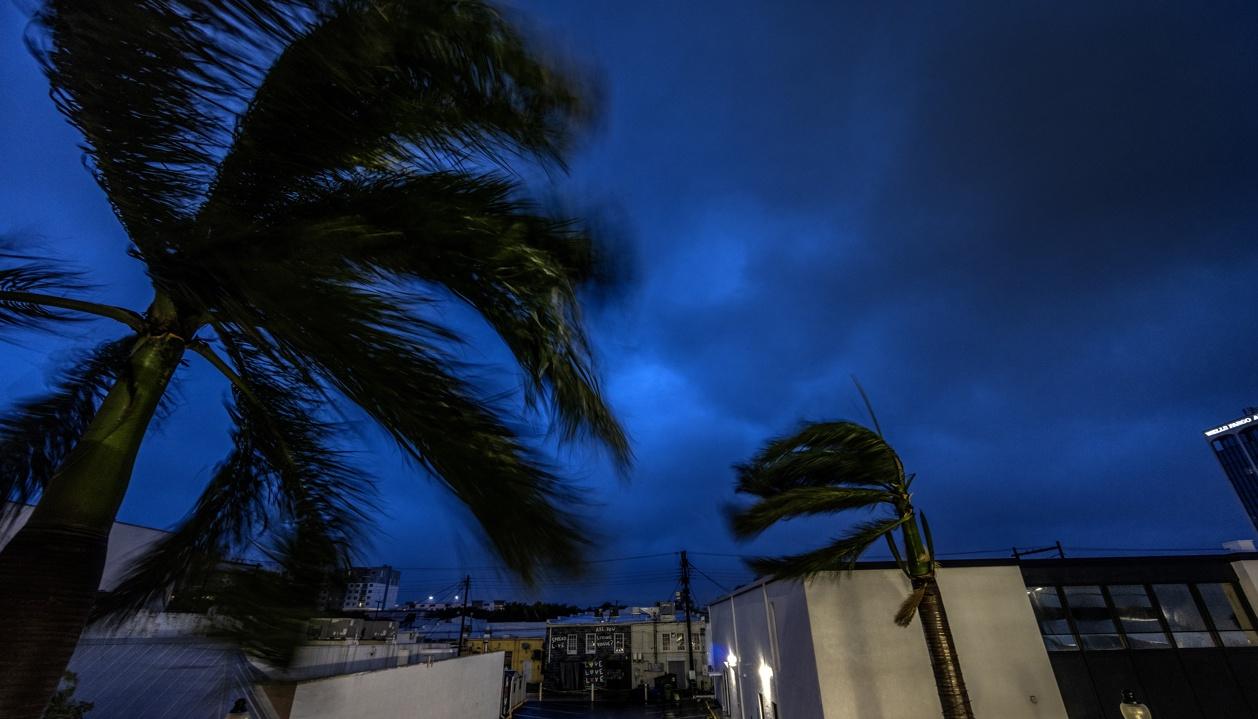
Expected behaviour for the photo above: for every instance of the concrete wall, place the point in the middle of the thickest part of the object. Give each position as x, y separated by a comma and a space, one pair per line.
464, 688
768, 630
126, 542
839, 655
647, 646
867, 667
998, 641
1247, 571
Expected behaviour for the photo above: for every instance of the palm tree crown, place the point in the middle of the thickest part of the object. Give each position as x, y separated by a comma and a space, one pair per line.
297, 176
823, 468
831, 467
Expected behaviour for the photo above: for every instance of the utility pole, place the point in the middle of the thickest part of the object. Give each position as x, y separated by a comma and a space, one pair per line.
467, 587
685, 599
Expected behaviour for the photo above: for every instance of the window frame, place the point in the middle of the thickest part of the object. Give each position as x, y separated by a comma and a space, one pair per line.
1194, 595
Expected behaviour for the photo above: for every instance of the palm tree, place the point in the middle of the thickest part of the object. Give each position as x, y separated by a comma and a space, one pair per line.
301, 180
830, 467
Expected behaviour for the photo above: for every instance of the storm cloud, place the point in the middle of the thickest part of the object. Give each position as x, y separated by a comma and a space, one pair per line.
1028, 229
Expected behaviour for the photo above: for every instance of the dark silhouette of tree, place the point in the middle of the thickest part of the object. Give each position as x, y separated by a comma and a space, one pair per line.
301, 179
830, 467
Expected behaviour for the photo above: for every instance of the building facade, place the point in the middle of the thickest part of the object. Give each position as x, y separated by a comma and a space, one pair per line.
620, 655
371, 588
1041, 639
521, 645
1235, 444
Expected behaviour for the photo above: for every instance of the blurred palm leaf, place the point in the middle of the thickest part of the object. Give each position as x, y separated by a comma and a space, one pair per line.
297, 176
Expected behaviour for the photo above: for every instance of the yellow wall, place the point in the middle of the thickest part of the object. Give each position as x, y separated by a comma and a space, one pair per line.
521, 649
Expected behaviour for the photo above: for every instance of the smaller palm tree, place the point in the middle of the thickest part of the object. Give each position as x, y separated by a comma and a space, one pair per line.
830, 467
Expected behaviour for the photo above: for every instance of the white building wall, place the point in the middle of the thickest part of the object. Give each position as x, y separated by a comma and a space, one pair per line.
772, 641
465, 688
998, 641
126, 543
867, 667
839, 655
1247, 571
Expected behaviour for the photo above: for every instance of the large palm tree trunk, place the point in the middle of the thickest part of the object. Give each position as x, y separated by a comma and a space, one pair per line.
50, 571
953, 696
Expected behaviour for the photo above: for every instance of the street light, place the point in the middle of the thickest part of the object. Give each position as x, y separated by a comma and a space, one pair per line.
1132, 709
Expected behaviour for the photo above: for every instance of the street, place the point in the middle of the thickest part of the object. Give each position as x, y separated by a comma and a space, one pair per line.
578, 710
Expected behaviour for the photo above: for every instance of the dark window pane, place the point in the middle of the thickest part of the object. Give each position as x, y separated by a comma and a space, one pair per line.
1135, 610
1149, 640
1101, 641
1193, 640
1179, 608
1048, 610
1225, 607
1088, 608
1060, 642
1239, 639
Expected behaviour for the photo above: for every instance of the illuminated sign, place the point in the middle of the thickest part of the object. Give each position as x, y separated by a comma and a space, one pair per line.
1232, 425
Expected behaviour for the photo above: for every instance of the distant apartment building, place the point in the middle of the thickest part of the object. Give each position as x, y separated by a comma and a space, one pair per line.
1235, 444
371, 588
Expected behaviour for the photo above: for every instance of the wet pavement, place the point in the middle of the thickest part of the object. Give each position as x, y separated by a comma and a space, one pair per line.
579, 710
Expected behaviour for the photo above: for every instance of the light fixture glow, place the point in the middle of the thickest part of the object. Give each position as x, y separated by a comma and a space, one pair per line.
731, 661
766, 673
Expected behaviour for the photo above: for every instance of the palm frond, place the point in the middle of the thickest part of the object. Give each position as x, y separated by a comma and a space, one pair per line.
266, 609
908, 609
520, 270
36, 434
822, 454
842, 553
284, 475
387, 84
750, 521
365, 347
22, 278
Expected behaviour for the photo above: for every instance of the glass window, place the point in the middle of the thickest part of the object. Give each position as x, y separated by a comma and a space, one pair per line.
1227, 610
1182, 616
1137, 616
668, 642
1092, 618
679, 641
572, 644
1060, 642
1052, 619
618, 643
589, 643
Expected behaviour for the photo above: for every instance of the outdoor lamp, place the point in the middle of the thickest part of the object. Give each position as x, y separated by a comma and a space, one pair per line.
731, 661
1132, 709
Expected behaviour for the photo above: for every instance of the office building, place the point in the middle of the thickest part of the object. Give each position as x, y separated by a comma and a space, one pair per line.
1236, 446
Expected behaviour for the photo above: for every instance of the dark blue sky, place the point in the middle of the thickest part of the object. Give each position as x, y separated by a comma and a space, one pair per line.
1028, 228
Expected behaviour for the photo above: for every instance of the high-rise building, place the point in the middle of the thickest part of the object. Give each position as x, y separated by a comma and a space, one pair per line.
1236, 446
372, 588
